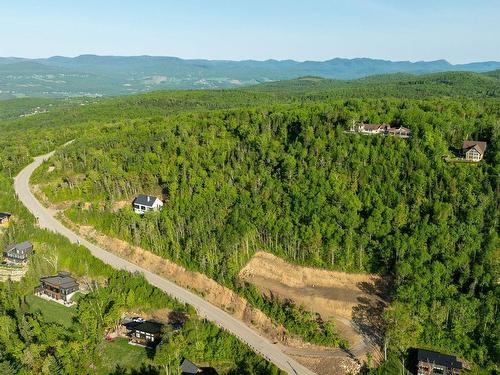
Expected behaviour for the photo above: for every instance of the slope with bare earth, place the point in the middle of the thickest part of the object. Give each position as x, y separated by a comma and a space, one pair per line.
355, 302
323, 360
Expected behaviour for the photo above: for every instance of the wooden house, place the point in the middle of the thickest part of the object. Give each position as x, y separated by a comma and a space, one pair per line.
145, 333
18, 253
434, 363
473, 150
144, 203
60, 287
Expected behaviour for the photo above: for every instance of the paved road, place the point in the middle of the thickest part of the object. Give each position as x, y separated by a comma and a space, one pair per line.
205, 309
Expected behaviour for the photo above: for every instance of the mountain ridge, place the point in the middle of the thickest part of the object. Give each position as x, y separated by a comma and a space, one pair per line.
97, 75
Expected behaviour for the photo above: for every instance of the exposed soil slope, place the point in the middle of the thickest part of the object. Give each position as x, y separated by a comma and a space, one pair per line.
354, 301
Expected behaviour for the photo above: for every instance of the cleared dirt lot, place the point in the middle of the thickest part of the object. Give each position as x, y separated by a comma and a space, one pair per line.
354, 302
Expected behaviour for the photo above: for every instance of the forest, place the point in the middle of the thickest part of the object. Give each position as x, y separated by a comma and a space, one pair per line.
35, 341
276, 170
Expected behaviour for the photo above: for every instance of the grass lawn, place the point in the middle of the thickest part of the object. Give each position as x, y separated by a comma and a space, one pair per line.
51, 311
119, 353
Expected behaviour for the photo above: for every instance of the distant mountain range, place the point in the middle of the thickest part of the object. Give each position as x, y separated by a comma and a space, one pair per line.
91, 75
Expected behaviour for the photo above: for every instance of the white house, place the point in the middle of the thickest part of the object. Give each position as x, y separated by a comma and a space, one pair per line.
143, 203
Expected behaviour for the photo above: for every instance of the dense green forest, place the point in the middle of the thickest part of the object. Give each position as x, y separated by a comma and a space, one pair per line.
273, 168
36, 339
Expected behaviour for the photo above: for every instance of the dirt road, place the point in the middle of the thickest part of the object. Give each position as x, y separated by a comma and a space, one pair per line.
258, 343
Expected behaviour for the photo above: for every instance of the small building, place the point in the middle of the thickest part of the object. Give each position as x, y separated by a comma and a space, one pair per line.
60, 287
18, 253
143, 203
4, 218
473, 150
145, 333
189, 368
433, 363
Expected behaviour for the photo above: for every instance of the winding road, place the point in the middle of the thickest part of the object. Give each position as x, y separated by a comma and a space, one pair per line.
254, 340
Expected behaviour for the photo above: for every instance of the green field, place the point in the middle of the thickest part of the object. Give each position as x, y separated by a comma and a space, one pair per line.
119, 353
51, 311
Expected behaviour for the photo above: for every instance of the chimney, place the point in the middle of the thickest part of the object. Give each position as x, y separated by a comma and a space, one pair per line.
149, 198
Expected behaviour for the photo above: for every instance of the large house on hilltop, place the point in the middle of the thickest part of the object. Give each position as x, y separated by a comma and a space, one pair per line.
60, 287
433, 363
18, 253
385, 129
143, 203
473, 150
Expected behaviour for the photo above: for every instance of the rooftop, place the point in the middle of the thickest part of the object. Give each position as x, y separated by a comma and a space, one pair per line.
4, 215
22, 246
145, 200
188, 367
438, 359
480, 145
61, 280
147, 326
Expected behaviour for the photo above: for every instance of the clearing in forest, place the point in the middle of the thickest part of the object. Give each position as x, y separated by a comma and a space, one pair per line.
355, 302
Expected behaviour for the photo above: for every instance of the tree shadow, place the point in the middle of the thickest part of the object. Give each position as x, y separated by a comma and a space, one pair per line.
367, 315
143, 370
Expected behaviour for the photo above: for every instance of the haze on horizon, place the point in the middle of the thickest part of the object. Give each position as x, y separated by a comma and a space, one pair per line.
459, 31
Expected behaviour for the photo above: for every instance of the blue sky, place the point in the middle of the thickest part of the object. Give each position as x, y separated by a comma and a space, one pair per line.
459, 31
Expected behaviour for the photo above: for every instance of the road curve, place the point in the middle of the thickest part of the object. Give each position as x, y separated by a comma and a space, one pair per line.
259, 344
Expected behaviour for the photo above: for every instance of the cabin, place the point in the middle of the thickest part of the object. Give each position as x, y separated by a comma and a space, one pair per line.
60, 287
434, 363
18, 253
473, 150
144, 203
144, 333
4, 218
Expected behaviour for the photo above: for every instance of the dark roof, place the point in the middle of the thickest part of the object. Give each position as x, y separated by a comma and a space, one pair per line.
148, 327
188, 367
131, 325
479, 145
438, 359
61, 280
4, 215
20, 247
145, 200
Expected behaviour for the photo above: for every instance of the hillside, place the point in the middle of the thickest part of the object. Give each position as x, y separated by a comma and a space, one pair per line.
95, 76
453, 84
288, 179
281, 175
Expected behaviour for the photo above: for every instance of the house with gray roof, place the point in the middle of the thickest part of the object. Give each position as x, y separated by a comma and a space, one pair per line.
18, 253
143, 203
189, 368
60, 287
